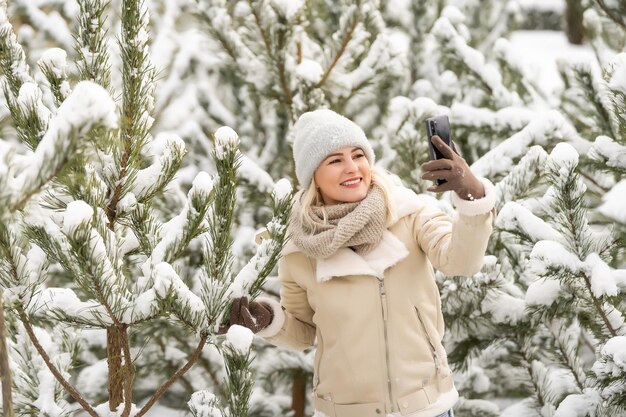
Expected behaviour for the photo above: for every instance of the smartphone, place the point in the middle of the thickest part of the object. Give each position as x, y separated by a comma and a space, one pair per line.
439, 126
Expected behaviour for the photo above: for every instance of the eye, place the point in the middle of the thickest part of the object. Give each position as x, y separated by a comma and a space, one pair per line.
359, 155
335, 161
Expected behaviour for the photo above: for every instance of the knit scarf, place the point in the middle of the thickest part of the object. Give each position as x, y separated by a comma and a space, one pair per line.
358, 225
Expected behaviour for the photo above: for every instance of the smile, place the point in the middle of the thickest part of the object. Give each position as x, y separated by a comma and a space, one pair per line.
352, 183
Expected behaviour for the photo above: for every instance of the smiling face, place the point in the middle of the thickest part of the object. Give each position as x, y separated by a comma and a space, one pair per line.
344, 176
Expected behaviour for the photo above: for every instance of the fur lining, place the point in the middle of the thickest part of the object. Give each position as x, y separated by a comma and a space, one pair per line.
389, 252
277, 321
345, 261
476, 207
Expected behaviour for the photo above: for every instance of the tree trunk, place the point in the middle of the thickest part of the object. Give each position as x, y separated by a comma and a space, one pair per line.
117, 374
298, 393
5, 371
574, 21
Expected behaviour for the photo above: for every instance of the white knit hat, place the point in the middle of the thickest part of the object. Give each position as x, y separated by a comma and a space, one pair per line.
319, 133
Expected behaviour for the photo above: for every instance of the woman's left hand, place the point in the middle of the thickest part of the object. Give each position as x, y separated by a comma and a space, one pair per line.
459, 178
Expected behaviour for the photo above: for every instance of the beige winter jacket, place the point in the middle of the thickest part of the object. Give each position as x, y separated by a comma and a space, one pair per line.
377, 318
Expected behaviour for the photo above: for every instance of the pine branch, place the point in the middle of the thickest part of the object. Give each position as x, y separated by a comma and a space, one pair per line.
280, 63
9, 274
145, 226
206, 364
239, 378
514, 74
53, 369
130, 372
172, 368
163, 388
538, 393
96, 272
5, 370
231, 45
133, 133
592, 95
90, 42
59, 142
568, 212
568, 356
613, 15
29, 114
342, 48
99, 277
12, 60
145, 187
521, 178
218, 257
457, 55
609, 378
54, 72
137, 78
598, 306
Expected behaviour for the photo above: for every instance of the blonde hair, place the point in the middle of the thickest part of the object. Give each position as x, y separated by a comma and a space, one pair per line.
380, 177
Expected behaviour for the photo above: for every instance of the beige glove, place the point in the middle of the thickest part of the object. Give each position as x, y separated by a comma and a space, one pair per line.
459, 178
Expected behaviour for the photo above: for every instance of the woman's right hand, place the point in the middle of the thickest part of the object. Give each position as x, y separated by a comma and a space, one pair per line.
251, 314
455, 170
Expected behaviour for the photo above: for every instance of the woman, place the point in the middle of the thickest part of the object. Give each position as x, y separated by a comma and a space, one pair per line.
357, 274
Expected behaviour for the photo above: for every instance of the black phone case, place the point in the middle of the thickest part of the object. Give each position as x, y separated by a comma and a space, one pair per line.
439, 126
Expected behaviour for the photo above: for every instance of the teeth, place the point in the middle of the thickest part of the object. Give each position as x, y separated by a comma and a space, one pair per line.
351, 182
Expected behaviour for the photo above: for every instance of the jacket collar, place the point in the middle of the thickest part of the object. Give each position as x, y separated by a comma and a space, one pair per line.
389, 251
345, 261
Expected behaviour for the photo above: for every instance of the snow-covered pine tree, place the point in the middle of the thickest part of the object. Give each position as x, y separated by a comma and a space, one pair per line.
593, 100
83, 222
460, 67
456, 63
522, 352
454, 78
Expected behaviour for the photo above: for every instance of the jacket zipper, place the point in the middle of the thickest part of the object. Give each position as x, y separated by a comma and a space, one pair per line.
433, 350
383, 300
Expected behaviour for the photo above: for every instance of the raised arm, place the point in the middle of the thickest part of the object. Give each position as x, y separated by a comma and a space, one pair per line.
456, 245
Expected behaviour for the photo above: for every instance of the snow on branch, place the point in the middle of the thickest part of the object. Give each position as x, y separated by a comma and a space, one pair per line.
469, 60
12, 59
610, 152
519, 181
610, 371
93, 57
613, 203
544, 130
252, 277
87, 107
53, 65
504, 120
517, 219
151, 180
